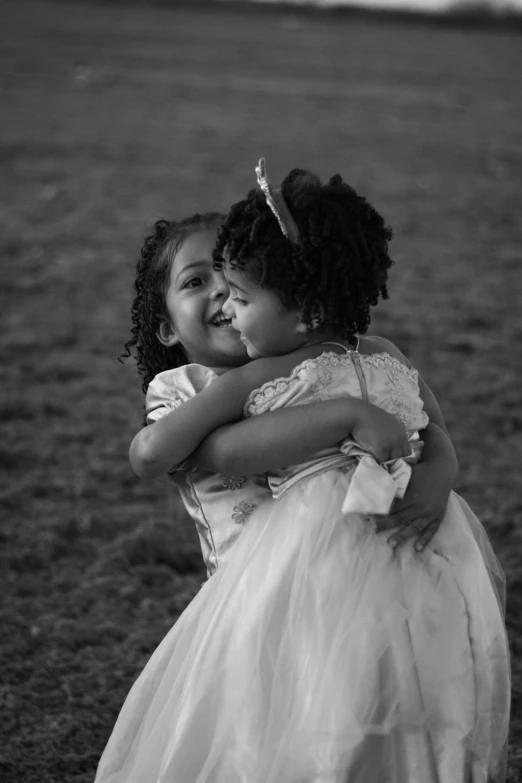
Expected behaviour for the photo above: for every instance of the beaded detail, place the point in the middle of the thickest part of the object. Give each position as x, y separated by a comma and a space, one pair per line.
242, 511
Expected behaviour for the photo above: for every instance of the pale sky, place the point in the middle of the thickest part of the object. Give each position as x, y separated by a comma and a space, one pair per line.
428, 5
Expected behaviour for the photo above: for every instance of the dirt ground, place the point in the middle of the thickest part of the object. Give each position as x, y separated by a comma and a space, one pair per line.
114, 116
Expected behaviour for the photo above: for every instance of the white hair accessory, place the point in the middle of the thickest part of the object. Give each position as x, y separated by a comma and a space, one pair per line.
275, 200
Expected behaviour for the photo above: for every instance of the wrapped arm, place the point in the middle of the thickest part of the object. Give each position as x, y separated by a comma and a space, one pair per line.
282, 437
290, 435
438, 454
422, 509
159, 446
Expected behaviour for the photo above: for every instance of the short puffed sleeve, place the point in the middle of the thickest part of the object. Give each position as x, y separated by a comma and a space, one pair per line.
170, 389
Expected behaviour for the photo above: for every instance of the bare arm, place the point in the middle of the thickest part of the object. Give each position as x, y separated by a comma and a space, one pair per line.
422, 509
158, 447
438, 454
291, 435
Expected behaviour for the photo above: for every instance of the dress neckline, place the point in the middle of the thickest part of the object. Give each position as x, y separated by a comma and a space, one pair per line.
340, 345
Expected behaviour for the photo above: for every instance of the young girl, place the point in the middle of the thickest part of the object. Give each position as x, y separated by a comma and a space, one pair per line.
318, 652
178, 323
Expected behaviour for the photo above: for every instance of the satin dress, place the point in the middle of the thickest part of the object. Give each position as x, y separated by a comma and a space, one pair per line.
219, 505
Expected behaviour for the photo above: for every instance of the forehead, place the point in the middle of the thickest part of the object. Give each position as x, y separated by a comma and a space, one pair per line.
196, 247
238, 278
196, 251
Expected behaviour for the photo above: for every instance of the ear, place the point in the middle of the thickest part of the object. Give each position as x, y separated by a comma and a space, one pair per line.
166, 334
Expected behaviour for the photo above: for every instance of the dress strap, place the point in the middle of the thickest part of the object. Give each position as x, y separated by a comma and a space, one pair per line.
340, 345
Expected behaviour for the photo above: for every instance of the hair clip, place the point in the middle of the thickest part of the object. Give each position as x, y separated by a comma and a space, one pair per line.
276, 202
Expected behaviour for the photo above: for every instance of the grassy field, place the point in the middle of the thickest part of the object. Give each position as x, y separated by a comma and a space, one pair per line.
114, 116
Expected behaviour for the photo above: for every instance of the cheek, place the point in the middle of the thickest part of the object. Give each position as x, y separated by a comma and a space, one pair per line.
170, 305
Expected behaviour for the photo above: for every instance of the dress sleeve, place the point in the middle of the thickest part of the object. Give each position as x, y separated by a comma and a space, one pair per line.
162, 397
172, 388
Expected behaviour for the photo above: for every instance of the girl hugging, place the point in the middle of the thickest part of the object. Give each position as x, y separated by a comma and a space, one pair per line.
316, 651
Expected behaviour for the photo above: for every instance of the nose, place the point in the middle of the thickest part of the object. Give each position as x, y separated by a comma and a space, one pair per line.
228, 308
220, 289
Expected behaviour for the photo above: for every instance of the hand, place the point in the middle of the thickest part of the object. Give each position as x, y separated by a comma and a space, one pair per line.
381, 434
421, 511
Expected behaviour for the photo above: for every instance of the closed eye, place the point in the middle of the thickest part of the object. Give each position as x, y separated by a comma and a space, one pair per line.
238, 300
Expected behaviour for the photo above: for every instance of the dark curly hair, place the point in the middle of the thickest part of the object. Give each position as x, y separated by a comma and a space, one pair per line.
152, 284
337, 271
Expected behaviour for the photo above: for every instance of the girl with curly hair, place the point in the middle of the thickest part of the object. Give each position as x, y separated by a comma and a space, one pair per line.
182, 341
318, 652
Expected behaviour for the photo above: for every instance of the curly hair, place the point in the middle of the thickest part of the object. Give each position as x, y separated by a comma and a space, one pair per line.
339, 268
152, 284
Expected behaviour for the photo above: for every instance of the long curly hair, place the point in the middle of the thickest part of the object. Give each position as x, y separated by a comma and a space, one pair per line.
339, 268
152, 284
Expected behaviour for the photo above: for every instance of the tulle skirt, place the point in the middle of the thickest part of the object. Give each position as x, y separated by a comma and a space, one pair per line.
320, 655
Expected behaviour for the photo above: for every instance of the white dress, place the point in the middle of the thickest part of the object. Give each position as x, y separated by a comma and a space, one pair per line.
318, 654
219, 505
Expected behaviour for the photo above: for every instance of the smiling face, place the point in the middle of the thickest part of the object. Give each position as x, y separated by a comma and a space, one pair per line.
194, 303
265, 326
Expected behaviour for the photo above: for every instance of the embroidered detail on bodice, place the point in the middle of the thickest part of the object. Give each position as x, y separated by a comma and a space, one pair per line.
242, 511
269, 389
404, 410
233, 482
219, 505
324, 365
386, 361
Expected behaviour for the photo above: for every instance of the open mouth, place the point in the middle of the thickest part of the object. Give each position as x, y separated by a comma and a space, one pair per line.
221, 321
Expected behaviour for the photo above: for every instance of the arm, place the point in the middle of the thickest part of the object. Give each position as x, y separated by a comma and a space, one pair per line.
424, 504
165, 443
421, 511
291, 435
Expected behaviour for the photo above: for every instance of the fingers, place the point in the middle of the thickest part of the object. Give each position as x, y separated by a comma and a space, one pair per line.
406, 450
388, 523
397, 451
422, 529
408, 530
427, 534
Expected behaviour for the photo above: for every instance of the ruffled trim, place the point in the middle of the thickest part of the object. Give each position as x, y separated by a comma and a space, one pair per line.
271, 388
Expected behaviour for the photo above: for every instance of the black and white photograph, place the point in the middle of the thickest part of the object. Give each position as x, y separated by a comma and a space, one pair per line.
261, 415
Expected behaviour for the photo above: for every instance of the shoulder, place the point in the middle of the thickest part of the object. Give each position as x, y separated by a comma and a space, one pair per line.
171, 388
263, 370
373, 344
189, 379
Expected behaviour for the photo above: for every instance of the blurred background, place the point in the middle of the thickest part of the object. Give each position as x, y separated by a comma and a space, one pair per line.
117, 114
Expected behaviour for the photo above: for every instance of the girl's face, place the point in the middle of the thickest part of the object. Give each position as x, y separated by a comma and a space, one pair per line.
266, 328
194, 303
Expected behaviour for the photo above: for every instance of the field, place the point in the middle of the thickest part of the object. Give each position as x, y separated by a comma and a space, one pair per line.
114, 116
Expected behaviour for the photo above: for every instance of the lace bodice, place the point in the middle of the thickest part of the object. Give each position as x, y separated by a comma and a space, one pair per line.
380, 378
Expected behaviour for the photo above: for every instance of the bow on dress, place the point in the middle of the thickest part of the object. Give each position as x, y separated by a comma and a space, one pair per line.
373, 485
